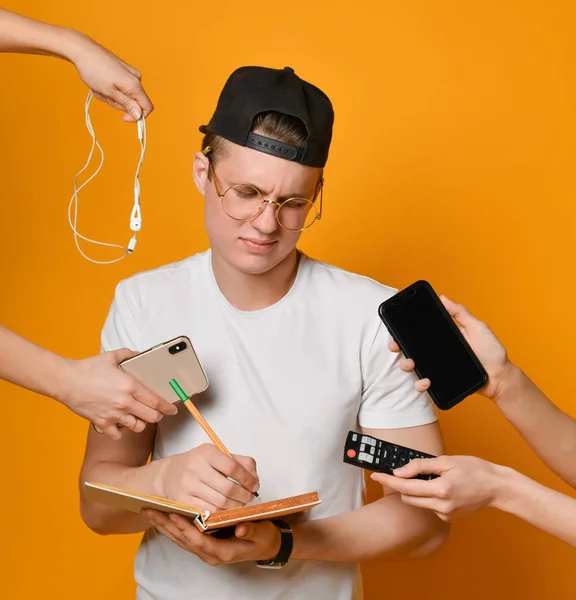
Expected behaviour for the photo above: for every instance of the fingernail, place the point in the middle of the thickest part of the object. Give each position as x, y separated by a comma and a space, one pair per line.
135, 113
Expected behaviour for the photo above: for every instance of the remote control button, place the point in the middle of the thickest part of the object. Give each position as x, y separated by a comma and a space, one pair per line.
366, 457
354, 437
372, 450
368, 440
362, 447
351, 453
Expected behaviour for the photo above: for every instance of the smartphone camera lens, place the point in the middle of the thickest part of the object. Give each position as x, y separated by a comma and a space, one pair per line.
177, 348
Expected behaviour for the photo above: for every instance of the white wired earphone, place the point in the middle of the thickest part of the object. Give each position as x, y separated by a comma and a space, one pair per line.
135, 217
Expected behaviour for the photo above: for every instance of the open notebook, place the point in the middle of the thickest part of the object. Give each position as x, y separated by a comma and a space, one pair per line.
204, 520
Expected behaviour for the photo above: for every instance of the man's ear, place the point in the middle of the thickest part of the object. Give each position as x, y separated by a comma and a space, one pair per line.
200, 170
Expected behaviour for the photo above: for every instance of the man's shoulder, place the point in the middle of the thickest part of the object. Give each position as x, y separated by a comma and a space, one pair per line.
165, 277
348, 285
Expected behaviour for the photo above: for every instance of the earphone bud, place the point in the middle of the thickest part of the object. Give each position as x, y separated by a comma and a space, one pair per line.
135, 216
135, 220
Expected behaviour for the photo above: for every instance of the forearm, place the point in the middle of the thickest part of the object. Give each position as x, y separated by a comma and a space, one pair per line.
547, 509
28, 36
550, 432
106, 520
385, 528
30, 366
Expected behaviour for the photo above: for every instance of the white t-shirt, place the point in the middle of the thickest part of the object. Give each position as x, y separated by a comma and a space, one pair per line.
286, 384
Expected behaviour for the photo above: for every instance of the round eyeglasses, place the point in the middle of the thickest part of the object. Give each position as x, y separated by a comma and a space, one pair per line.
244, 202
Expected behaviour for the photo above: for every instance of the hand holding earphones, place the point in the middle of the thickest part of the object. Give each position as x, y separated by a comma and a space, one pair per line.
111, 79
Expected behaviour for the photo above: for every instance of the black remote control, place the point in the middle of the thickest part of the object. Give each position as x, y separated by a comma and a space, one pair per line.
370, 453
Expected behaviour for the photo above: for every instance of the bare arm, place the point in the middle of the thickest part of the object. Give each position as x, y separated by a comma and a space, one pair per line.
27, 365
386, 527
93, 388
467, 483
547, 509
549, 431
122, 464
27, 36
111, 79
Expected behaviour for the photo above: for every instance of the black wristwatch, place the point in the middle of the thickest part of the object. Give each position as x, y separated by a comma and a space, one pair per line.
286, 544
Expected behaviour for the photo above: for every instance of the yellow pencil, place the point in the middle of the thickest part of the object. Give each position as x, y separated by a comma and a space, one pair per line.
202, 421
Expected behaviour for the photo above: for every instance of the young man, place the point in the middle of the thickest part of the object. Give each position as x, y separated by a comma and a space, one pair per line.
296, 356
467, 483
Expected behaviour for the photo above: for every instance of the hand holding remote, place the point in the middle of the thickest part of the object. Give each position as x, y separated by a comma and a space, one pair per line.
462, 485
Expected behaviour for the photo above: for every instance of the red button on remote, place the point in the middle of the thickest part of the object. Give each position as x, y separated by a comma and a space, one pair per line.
351, 453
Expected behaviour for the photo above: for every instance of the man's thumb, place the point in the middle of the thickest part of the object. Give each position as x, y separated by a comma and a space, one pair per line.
245, 531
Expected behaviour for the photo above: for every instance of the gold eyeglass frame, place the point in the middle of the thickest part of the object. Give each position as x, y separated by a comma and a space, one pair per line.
265, 201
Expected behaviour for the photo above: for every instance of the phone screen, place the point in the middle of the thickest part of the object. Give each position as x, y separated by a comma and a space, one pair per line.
426, 333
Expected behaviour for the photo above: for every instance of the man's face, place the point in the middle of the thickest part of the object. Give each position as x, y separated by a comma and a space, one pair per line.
260, 244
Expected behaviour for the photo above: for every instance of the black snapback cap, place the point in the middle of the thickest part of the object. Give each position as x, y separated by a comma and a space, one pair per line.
250, 91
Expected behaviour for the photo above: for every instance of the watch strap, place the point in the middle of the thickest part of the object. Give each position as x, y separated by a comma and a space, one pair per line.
286, 545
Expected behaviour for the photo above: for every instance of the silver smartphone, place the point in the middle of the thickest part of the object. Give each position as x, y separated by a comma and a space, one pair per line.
175, 359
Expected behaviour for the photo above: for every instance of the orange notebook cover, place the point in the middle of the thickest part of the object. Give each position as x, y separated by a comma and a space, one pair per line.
203, 519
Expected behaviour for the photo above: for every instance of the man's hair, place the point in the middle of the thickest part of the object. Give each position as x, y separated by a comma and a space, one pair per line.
279, 127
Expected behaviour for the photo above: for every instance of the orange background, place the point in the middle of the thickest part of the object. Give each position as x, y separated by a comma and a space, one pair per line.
452, 161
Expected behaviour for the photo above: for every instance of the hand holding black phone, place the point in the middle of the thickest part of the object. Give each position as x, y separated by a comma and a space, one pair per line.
423, 328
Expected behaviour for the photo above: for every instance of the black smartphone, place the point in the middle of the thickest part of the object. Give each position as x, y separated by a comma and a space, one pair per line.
423, 328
